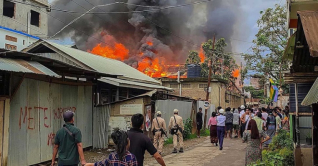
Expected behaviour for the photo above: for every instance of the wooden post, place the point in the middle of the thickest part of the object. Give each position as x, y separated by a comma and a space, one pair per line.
209, 82
297, 117
6, 118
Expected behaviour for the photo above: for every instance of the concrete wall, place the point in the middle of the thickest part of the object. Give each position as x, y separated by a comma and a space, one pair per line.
194, 91
20, 43
36, 115
20, 21
217, 95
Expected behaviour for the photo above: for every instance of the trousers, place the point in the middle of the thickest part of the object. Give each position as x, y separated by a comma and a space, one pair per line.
220, 132
177, 137
243, 126
158, 141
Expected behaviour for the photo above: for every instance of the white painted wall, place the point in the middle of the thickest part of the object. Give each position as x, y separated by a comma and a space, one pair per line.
20, 38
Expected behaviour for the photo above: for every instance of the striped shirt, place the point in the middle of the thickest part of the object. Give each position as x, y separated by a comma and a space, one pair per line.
113, 160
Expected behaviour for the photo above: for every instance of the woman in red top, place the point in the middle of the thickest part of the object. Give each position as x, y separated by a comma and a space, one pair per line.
213, 132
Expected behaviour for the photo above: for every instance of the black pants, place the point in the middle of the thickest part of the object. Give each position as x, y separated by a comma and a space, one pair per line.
243, 125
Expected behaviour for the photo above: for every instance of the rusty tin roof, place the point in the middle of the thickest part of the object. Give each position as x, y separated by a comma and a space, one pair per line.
22, 66
309, 21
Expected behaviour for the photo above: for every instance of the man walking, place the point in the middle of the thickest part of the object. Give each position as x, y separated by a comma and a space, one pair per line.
176, 127
259, 122
139, 142
199, 122
228, 122
246, 117
159, 130
221, 127
236, 122
68, 143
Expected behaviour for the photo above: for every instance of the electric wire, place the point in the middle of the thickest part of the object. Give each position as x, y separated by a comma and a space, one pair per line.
167, 7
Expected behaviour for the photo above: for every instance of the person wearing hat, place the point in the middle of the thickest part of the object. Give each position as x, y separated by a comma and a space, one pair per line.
175, 128
242, 108
68, 143
159, 129
221, 127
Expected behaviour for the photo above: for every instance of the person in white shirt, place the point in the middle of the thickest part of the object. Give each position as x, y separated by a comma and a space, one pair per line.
236, 122
264, 115
242, 110
221, 127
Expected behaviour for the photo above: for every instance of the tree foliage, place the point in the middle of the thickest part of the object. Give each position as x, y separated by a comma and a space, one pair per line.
193, 58
255, 93
280, 151
223, 63
269, 45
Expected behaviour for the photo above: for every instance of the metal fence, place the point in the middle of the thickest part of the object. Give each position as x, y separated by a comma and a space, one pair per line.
101, 127
36, 114
167, 107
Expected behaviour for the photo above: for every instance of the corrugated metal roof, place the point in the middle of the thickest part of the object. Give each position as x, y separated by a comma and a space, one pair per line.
103, 64
309, 21
126, 83
17, 65
312, 95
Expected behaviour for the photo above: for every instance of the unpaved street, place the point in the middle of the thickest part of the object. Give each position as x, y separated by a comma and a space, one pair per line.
206, 154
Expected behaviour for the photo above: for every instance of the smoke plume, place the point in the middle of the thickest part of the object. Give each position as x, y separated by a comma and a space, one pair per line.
166, 33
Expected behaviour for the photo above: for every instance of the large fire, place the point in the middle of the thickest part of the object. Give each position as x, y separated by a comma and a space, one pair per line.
119, 52
154, 67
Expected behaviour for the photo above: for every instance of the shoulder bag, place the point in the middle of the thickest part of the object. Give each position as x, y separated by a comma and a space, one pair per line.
174, 130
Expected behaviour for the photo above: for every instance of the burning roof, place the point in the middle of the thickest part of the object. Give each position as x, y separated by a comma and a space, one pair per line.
147, 41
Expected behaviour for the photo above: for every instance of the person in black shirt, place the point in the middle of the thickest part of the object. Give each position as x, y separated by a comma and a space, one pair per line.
139, 142
199, 122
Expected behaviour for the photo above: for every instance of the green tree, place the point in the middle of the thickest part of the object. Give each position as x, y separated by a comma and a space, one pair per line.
223, 63
193, 58
255, 93
269, 45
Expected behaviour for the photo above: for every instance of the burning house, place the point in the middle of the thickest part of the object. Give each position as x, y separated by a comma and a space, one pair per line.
115, 99
146, 35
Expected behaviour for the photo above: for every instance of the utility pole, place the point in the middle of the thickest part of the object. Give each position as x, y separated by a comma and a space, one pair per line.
209, 81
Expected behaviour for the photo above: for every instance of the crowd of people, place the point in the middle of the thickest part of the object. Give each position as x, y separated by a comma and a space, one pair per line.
256, 127
130, 146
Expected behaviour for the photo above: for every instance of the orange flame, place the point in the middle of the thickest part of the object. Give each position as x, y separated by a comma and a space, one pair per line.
236, 73
153, 67
201, 55
149, 43
119, 52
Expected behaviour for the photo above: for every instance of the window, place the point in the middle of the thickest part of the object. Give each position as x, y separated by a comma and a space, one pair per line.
203, 85
186, 86
11, 47
23, 42
173, 85
123, 94
35, 18
8, 8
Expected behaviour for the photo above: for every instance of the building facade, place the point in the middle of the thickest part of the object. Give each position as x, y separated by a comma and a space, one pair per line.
22, 23
195, 88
